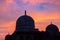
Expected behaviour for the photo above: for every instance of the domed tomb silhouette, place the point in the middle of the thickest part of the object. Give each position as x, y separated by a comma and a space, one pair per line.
52, 28
25, 23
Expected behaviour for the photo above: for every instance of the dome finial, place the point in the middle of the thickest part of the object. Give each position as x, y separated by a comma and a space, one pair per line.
8, 33
25, 12
51, 22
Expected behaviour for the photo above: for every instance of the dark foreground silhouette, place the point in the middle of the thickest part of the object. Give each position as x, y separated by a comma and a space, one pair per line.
25, 30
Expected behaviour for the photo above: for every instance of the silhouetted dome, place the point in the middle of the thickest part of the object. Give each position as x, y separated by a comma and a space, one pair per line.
25, 22
52, 28
8, 37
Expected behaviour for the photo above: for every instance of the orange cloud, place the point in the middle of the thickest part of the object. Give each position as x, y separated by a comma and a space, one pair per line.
9, 1
43, 19
7, 28
10, 26
41, 16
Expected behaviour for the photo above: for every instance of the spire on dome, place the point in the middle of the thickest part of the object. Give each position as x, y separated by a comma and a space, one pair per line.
25, 12
51, 22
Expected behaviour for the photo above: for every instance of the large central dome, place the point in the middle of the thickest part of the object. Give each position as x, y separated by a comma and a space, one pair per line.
25, 22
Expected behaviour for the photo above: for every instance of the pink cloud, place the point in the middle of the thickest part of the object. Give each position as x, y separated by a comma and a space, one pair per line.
34, 2
9, 1
56, 2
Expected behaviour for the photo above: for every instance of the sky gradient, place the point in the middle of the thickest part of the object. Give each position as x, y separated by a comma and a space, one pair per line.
42, 11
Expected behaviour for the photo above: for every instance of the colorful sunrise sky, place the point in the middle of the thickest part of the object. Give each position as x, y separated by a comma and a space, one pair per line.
42, 11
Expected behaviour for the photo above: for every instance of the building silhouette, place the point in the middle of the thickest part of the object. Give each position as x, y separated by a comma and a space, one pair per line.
52, 31
25, 30
52, 28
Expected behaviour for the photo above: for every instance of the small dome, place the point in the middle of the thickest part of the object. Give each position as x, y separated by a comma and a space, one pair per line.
25, 22
52, 28
8, 37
